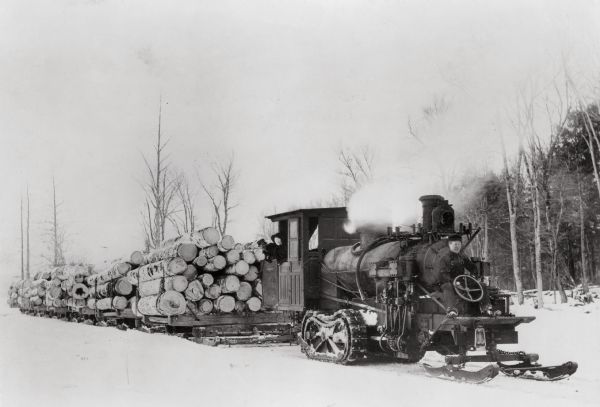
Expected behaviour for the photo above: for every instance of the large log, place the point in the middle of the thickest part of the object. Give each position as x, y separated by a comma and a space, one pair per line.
104, 304
206, 279
119, 302
252, 274
191, 273
205, 306
209, 252
229, 284
244, 292
117, 270
225, 303
80, 291
241, 268
137, 258
170, 267
55, 292
213, 292
254, 304
152, 287
66, 285
91, 303
182, 247
176, 283
215, 264
194, 291
233, 256
248, 256
167, 304
201, 261
226, 243
206, 237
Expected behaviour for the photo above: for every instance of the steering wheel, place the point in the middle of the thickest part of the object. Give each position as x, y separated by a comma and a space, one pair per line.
467, 288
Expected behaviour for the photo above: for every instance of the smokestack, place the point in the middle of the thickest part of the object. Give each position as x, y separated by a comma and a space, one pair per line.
429, 203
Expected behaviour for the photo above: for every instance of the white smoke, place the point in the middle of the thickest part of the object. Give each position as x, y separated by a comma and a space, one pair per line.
386, 203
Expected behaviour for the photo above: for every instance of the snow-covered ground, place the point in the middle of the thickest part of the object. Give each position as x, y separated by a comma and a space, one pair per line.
46, 362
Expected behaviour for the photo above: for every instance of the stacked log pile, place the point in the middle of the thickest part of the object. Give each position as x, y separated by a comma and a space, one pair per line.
197, 274
59, 287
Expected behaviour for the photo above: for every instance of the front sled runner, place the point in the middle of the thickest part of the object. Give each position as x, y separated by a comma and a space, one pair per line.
534, 371
459, 374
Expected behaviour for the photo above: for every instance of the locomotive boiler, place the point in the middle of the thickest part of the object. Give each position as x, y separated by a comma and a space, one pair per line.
382, 297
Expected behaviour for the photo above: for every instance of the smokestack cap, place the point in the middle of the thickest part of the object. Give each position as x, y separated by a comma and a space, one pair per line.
431, 198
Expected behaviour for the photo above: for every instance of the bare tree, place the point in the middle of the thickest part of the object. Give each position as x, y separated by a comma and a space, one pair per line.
184, 219
538, 164
220, 194
512, 184
357, 168
22, 253
161, 189
591, 136
28, 273
55, 234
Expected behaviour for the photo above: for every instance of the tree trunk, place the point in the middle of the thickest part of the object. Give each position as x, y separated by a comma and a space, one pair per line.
206, 279
244, 292
119, 302
167, 304
205, 306
152, 287
512, 217
229, 284
215, 264
206, 237
584, 278
194, 291
191, 273
157, 270
209, 252
117, 270
225, 303
254, 304
226, 243
248, 256
213, 292
178, 248
537, 241
252, 274
201, 261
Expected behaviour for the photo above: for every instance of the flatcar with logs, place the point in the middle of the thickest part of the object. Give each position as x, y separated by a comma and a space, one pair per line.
349, 297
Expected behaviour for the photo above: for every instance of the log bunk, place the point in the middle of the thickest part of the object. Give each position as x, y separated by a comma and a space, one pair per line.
201, 285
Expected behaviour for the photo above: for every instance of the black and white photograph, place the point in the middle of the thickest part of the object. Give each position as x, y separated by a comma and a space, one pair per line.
324, 203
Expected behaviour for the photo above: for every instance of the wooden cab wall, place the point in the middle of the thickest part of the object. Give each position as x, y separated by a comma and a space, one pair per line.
307, 234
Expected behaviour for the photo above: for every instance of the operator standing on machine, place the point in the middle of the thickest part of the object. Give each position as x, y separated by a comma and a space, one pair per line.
453, 264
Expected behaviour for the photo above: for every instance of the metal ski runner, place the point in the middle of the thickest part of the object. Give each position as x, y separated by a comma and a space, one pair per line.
534, 371
459, 374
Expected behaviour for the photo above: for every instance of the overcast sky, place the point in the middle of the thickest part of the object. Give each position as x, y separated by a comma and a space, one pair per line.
281, 84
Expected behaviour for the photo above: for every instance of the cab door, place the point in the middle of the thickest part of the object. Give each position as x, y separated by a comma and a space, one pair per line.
291, 279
